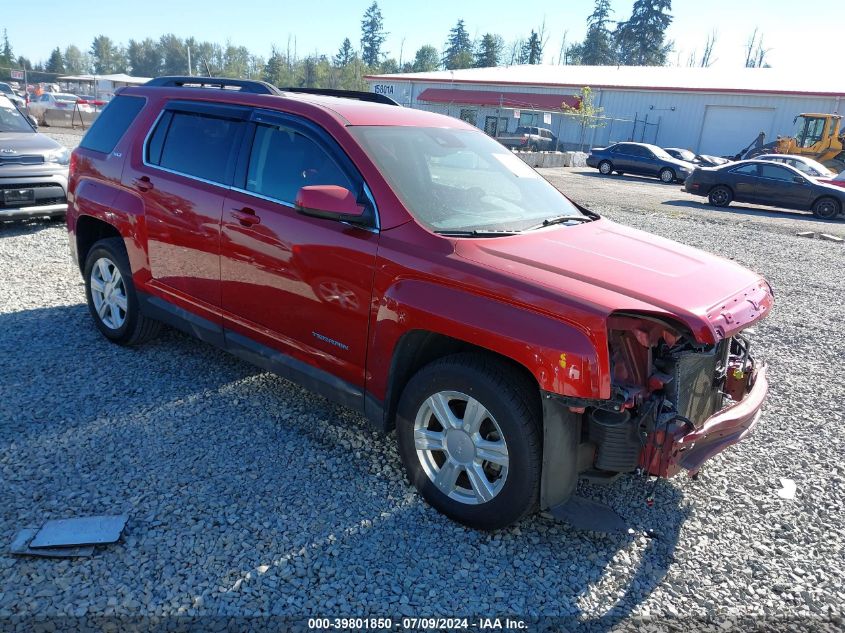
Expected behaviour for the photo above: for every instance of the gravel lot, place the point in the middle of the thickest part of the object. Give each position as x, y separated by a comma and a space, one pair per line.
248, 496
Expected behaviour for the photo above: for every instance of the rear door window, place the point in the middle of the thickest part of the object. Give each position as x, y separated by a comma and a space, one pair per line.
112, 123
745, 170
196, 144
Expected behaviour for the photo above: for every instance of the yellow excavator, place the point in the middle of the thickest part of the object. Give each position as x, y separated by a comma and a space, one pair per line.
817, 136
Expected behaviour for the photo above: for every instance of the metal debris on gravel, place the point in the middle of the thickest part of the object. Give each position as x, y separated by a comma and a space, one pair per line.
251, 496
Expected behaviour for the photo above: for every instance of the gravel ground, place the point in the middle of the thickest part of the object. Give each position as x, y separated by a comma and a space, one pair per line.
248, 496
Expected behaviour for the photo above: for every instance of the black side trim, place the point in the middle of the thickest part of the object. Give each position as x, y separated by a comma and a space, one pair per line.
310, 377
313, 379
181, 319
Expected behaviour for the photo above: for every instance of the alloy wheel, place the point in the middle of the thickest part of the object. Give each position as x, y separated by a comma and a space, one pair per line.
461, 447
108, 292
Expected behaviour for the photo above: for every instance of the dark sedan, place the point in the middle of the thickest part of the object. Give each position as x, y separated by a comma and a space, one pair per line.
639, 158
763, 182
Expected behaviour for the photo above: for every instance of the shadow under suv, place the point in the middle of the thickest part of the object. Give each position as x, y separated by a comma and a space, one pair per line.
405, 265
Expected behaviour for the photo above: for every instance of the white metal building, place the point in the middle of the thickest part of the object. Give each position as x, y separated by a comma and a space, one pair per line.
709, 110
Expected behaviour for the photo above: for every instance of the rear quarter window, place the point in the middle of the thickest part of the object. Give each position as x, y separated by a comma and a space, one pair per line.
112, 123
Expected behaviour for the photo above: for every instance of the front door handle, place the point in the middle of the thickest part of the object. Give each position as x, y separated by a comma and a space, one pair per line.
246, 216
142, 184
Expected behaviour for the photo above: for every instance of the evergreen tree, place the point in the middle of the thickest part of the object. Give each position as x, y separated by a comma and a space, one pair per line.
641, 40
597, 48
489, 51
458, 49
426, 59
345, 54
107, 56
372, 35
76, 62
23, 62
174, 55
56, 64
7, 57
389, 66
144, 58
532, 49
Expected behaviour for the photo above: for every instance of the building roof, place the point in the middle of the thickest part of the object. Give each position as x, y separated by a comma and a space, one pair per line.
120, 78
817, 80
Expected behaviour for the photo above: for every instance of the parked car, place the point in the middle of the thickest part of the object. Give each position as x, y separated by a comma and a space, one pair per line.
7, 91
33, 168
529, 138
805, 165
702, 160
56, 106
838, 180
641, 159
765, 182
406, 265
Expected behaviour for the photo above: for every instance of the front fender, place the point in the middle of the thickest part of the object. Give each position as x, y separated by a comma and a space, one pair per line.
561, 357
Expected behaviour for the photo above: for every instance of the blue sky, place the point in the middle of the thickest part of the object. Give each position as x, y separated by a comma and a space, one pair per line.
788, 26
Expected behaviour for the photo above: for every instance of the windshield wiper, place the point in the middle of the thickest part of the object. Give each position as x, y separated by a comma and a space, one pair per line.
478, 233
560, 219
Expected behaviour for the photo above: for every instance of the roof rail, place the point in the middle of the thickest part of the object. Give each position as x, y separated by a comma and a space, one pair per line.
345, 94
244, 85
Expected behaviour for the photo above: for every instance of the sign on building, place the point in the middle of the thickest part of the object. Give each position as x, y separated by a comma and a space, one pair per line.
516, 114
17, 74
547, 118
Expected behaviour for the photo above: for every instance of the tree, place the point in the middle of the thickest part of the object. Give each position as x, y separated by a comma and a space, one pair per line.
641, 40
56, 64
458, 50
24, 62
532, 49
587, 113
174, 55
598, 44
144, 58
755, 54
707, 56
426, 59
345, 54
76, 62
7, 57
372, 35
489, 51
107, 56
389, 66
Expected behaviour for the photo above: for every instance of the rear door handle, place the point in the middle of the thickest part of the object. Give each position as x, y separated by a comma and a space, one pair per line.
246, 216
143, 183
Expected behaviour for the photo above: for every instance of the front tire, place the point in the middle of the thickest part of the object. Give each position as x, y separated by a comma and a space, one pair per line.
826, 208
667, 175
720, 196
468, 429
112, 300
605, 167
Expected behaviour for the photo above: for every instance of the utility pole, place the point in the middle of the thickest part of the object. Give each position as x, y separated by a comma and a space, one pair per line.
190, 73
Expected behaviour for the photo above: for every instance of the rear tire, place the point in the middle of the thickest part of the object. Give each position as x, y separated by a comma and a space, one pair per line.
605, 167
667, 175
720, 196
826, 208
481, 467
112, 300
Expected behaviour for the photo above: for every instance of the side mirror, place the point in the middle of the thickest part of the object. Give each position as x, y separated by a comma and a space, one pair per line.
330, 202
799, 180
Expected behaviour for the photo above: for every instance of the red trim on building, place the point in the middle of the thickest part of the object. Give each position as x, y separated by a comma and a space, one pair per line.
527, 100
610, 86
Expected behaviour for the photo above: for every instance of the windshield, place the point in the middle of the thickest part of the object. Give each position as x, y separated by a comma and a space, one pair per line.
461, 180
659, 152
813, 168
11, 120
684, 154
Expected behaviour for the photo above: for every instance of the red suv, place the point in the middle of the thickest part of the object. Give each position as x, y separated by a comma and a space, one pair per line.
408, 266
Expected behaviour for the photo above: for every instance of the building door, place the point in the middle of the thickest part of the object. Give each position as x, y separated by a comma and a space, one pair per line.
727, 129
491, 126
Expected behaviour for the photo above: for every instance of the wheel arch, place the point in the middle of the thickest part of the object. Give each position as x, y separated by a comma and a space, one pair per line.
826, 195
89, 231
417, 348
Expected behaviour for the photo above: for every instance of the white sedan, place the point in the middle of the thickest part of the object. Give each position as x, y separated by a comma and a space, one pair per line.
56, 106
805, 165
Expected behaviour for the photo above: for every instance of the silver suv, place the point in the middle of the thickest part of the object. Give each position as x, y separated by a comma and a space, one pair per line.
33, 168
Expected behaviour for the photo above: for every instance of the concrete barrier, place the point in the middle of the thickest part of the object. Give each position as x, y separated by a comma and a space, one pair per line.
62, 118
554, 159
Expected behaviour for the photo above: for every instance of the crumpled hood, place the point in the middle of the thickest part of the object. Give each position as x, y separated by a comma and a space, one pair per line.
612, 267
